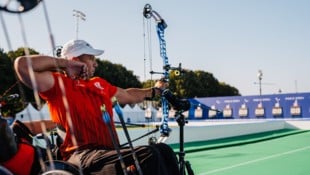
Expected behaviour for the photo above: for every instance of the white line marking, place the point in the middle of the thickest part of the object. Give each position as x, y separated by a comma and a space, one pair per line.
256, 160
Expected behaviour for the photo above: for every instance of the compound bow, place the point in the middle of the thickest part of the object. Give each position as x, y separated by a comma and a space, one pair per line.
148, 13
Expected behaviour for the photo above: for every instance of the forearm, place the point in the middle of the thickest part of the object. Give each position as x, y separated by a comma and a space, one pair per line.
136, 95
41, 63
41, 66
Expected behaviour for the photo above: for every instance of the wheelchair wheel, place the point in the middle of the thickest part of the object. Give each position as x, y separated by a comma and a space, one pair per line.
57, 172
5, 171
60, 168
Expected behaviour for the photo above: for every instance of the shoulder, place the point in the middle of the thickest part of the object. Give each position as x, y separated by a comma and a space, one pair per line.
55, 87
97, 81
102, 84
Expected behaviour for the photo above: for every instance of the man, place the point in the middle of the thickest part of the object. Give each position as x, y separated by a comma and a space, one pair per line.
75, 98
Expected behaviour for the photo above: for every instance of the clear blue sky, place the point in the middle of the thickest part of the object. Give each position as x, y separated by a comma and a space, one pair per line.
232, 39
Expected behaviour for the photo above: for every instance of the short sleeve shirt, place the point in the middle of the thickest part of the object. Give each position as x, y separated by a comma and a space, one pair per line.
76, 106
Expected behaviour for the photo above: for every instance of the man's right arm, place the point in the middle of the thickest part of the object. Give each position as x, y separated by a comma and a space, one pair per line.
37, 70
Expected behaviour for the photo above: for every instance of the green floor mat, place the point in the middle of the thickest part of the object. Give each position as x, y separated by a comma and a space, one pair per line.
234, 141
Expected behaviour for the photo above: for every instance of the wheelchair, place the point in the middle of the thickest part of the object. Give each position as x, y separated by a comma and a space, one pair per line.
5, 171
60, 167
21, 135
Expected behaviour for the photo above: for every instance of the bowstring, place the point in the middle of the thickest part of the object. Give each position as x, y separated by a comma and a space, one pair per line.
35, 90
147, 29
34, 85
21, 91
61, 84
144, 50
19, 84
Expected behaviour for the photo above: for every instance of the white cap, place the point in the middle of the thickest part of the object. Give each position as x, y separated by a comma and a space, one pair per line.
75, 48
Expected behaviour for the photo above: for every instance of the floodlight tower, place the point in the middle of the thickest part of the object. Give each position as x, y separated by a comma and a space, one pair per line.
79, 15
260, 77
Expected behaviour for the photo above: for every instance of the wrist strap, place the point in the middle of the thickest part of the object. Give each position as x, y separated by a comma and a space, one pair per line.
153, 93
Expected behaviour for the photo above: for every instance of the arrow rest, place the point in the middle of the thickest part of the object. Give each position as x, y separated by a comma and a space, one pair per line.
19, 6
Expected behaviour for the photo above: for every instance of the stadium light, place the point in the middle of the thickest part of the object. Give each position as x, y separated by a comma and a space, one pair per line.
79, 15
260, 77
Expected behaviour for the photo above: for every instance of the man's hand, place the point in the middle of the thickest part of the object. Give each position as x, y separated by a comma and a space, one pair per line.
161, 84
76, 69
159, 87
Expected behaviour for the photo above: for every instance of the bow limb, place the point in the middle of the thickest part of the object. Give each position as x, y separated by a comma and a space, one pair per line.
161, 26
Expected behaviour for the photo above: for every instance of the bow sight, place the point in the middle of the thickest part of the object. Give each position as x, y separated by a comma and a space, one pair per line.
177, 70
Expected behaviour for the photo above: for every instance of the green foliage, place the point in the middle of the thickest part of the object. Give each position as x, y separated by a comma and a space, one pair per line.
21, 52
117, 74
10, 85
8, 78
148, 83
199, 84
227, 90
11, 106
6, 68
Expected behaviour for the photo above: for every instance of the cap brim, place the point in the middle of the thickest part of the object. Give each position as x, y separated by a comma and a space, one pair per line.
95, 52
90, 51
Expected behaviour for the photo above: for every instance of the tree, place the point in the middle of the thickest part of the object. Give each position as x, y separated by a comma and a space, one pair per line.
26, 93
198, 83
6, 68
117, 74
148, 83
227, 90
10, 85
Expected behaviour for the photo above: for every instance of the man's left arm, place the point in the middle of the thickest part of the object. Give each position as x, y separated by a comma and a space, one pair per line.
137, 95
132, 95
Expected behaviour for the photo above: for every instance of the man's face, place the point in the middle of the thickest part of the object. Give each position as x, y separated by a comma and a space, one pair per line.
91, 63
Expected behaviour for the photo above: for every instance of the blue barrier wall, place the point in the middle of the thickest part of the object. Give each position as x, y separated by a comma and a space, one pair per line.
289, 105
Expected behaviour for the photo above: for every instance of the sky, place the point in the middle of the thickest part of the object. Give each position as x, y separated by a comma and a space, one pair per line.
232, 39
